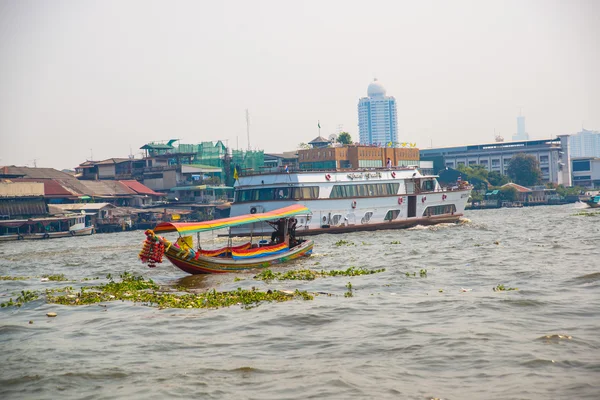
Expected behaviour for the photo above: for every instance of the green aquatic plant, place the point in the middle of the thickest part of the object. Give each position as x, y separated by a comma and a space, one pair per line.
587, 214
395, 242
25, 297
309, 275
14, 278
343, 242
502, 288
210, 299
136, 289
56, 278
349, 292
422, 273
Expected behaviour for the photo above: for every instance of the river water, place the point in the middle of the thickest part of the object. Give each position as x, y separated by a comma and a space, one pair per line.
445, 335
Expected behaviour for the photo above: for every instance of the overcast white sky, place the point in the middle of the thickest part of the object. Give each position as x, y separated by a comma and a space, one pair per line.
113, 75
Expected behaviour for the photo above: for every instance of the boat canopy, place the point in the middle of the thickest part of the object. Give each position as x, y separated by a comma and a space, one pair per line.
192, 227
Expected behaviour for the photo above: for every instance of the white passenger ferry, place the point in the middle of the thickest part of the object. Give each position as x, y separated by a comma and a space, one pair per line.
350, 200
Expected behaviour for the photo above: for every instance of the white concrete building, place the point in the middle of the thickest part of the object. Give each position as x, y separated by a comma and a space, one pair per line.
377, 117
586, 172
553, 156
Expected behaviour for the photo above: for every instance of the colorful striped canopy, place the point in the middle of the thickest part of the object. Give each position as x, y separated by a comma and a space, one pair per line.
191, 227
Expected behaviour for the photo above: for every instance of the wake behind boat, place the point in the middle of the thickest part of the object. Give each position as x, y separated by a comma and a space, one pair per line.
284, 246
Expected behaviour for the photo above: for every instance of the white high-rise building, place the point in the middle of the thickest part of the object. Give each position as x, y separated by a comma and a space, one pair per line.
521, 134
377, 117
585, 144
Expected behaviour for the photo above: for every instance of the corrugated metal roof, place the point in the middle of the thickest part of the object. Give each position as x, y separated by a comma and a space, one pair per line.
79, 207
22, 207
140, 188
35, 173
106, 188
111, 161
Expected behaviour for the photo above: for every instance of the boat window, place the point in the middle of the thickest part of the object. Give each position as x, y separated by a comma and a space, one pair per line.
364, 190
282, 193
428, 186
366, 218
391, 215
336, 219
310, 192
279, 193
438, 210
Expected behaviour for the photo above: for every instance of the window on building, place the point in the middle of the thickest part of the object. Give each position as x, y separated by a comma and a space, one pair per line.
496, 162
543, 159
583, 165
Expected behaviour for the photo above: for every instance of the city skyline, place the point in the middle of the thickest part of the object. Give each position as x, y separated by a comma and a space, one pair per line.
111, 76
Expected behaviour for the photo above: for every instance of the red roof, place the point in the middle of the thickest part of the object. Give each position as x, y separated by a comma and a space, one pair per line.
51, 187
519, 188
140, 188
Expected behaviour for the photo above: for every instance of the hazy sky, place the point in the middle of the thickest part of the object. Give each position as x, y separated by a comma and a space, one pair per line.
111, 76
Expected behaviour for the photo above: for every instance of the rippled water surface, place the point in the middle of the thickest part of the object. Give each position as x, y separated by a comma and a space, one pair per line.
445, 335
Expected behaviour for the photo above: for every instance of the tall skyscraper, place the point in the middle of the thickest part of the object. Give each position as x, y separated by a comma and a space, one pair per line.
585, 144
521, 134
377, 117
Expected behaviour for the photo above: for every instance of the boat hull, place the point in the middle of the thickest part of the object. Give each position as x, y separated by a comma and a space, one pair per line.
399, 224
593, 204
217, 265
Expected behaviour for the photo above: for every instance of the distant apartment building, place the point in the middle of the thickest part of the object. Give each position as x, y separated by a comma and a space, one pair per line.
585, 144
553, 156
377, 117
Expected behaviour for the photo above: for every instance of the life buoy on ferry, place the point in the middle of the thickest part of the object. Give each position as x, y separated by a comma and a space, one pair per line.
46, 235
328, 177
393, 174
253, 210
444, 197
353, 204
423, 199
400, 200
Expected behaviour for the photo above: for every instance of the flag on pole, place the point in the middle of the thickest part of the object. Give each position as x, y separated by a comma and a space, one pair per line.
235, 174
319, 124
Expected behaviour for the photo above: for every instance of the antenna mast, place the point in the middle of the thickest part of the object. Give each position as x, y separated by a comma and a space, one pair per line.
248, 127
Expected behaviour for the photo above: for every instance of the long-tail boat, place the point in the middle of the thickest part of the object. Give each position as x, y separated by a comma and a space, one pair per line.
284, 246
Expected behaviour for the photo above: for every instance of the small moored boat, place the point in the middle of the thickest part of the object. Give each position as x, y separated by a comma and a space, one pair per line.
44, 228
594, 202
284, 246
